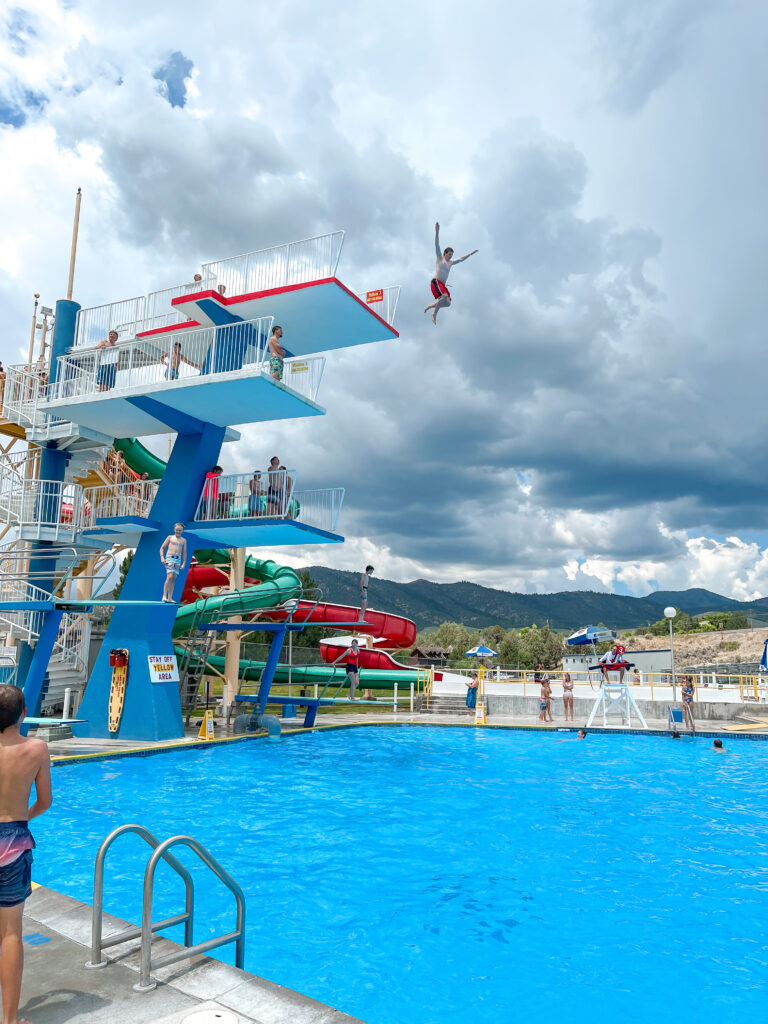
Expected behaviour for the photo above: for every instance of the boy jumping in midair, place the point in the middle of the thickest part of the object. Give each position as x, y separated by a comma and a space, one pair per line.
174, 559
443, 266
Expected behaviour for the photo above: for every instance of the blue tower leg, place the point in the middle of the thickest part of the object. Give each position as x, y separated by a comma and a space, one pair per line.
152, 710
269, 669
33, 685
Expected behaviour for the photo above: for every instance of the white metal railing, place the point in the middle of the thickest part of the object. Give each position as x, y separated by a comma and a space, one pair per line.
95, 322
259, 495
310, 259
22, 386
269, 494
110, 501
386, 306
42, 505
73, 638
163, 359
160, 313
303, 375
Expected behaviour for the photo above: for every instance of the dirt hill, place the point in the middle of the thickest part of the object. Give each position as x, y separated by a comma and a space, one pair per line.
735, 645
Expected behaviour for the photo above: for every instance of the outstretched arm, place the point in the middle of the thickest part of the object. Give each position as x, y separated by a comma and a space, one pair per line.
342, 655
462, 258
437, 240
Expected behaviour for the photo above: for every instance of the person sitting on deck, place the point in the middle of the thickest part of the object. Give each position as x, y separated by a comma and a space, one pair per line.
612, 660
173, 359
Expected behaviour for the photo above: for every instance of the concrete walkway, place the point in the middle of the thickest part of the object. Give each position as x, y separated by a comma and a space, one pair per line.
59, 989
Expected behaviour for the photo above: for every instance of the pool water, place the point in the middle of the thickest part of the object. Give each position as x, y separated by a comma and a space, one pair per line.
427, 874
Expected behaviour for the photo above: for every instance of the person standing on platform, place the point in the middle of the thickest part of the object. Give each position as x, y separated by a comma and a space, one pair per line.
472, 687
107, 363
275, 486
352, 654
438, 283
173, 555
23, 761
172, 361
2, 385
364, 581
276, 354
254, 496
211, 492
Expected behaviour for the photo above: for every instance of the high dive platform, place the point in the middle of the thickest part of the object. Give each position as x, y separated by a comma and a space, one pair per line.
191, 360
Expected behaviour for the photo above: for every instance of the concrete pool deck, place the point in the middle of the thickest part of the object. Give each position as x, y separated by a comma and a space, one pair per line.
59, 988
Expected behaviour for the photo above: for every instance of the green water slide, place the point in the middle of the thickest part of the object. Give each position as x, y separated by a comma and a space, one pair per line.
279, 583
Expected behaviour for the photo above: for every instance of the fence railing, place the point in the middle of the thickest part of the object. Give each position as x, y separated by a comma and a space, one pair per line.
95, 322
72, 640
113, 500
260, 495
386, 306
40, 505
203, 352
22, 386
303, 375
320, 508
310, 259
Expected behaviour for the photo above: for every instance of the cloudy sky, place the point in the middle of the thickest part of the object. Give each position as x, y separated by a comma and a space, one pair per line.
590, 413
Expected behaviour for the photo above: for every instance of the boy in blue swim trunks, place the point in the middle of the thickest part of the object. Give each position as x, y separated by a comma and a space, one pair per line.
173, 555
22, 762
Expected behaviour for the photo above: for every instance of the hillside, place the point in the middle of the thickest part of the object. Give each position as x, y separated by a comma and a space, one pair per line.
429, 604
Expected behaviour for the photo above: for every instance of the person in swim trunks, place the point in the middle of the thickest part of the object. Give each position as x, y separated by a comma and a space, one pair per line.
276, 354
364, 581
173, 555
22, 762
172, 361
438, 284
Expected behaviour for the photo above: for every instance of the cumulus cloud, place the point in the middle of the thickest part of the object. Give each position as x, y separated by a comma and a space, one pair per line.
564, 407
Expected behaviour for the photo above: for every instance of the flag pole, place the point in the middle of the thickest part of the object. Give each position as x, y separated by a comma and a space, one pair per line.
73, 251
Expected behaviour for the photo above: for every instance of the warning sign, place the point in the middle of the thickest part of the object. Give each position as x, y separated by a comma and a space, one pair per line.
163, 668
300, 367
375, 296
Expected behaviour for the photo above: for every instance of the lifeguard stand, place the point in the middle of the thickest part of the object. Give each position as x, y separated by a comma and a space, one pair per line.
616, 697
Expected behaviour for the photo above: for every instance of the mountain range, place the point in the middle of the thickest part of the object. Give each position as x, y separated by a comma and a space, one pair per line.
430, 604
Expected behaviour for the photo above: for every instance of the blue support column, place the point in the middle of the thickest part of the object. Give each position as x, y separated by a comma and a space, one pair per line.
33, 685
268, 672
152, 711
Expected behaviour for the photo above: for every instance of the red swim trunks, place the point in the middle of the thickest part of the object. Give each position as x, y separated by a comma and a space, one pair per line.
438, 288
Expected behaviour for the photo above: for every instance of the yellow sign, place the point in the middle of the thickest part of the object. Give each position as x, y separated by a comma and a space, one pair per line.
301, 367
375, 296
480, 714
206, 727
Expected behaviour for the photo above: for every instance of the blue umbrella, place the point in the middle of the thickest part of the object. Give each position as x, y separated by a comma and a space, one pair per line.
590, 635
764, 659
480, 652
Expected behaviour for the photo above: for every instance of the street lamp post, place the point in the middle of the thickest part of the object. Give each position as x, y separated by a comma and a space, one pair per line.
670, 613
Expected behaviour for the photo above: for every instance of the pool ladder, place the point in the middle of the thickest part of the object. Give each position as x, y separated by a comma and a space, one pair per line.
160, 852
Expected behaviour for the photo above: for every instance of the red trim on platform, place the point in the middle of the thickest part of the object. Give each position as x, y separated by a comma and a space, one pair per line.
228, 300
169, 329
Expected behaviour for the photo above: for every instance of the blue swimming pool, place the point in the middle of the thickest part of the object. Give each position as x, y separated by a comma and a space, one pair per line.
419, 875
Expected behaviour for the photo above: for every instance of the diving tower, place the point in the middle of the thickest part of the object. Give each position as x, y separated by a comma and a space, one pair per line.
191, 360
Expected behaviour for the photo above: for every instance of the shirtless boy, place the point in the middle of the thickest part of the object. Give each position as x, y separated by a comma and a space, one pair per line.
174, 559
172, 361
438, 284
22, 762
276, 354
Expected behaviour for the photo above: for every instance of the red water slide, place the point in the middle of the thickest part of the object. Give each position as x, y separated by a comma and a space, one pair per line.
389, 630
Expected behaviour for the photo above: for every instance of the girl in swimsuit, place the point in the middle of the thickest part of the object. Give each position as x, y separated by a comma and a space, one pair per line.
688, 695
568, 695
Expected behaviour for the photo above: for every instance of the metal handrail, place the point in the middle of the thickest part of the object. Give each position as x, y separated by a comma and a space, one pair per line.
98, 943
146, 963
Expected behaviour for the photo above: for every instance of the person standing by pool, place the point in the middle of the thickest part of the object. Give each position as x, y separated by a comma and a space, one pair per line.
688, 693
352, 654
22, 762
567, 695
472, 688
364, 581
